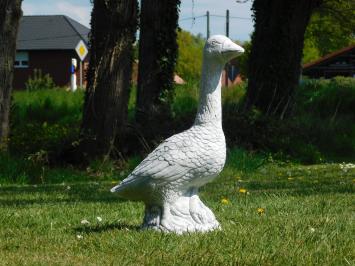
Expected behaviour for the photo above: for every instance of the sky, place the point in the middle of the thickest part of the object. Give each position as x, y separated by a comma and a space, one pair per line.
240, 27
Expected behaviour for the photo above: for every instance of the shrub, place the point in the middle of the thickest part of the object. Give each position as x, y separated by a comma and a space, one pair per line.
44, 120
189, 60
327, 97
39, 81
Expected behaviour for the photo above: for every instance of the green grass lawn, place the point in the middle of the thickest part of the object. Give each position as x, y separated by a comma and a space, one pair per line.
306, 217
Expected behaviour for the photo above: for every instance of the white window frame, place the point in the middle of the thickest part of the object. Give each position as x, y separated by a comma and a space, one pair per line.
23, 60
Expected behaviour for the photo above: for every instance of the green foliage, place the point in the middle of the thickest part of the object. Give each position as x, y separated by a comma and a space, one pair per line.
310, 50
328, 97
39, 81
321, 127
185, 99
44, 120
189, 62
331, 28
326, 111
243, 59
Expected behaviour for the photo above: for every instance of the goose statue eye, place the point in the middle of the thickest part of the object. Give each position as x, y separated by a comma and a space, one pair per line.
214, 43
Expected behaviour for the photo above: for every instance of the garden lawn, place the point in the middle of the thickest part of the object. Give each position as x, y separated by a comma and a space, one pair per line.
270, 213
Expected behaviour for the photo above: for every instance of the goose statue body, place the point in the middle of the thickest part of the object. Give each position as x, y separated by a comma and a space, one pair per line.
168, 179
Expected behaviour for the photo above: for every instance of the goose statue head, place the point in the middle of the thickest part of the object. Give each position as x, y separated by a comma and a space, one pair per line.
217, 52
222, 49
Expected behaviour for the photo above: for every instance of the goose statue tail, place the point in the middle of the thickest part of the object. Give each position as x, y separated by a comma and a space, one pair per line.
116, 189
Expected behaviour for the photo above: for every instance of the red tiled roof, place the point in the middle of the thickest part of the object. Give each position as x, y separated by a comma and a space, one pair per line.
328, 56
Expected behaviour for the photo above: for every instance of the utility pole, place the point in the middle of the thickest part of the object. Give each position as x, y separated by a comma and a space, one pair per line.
226, 69
208, 24
227, 23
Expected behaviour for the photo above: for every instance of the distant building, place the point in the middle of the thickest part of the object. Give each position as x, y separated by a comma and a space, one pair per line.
338, 63
48, 43
231, 74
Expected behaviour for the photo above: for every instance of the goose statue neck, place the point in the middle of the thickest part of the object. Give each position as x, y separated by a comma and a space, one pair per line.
217, 52
210, 106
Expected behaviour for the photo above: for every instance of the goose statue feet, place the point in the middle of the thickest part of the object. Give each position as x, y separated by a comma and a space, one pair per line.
167, 180
186, 214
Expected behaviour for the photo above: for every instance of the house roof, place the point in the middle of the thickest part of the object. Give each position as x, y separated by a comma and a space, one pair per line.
54, 32
328, 57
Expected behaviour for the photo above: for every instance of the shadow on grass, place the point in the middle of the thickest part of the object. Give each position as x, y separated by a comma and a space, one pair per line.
52, 194
99, 193
107, 227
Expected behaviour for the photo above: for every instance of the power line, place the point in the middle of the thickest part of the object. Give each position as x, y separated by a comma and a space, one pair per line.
214, 15
220, 16
192, 18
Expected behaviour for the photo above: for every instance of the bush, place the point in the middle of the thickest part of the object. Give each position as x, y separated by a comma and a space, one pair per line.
327, 98
39, 81
44, 120
189, 61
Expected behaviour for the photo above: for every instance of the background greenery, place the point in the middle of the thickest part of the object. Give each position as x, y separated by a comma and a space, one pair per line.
46, 122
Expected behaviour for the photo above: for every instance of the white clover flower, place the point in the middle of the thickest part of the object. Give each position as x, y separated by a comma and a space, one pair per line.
99, 218
346, 166
85, 221
79, 237
68, 187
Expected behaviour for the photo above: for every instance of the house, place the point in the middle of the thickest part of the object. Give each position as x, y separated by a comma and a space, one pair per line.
48, 43
231, 74
338, 63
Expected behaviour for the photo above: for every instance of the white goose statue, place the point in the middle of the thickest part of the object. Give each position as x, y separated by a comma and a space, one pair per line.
167, 180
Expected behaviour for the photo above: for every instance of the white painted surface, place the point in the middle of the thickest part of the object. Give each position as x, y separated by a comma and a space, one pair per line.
167, 180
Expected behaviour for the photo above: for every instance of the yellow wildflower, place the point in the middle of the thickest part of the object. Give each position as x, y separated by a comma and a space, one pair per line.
261, 211
242, 190
290, 178
224, 201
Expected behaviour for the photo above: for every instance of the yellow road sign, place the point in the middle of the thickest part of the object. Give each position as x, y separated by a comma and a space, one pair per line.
81, 50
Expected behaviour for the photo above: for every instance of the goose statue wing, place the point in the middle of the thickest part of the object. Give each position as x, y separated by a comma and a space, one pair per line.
171, 160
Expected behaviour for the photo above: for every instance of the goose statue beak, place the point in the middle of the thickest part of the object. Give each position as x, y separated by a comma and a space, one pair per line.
231, 50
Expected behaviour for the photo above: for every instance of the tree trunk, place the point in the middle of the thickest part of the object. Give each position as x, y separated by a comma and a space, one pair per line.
10, 14
276, 53
113, 28
157, 59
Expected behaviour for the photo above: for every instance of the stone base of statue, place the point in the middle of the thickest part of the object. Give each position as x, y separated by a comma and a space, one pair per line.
186, 214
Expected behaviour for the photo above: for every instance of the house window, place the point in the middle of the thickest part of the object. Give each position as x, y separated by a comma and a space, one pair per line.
21, 60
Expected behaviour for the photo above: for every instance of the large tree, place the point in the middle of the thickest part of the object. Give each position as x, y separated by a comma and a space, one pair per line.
10, 14
157, 59
276, 53
113, 29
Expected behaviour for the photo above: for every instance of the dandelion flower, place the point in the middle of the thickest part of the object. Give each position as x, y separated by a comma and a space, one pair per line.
85, 221
225, 201
242, 190
99, 218
114, 182
261, 211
